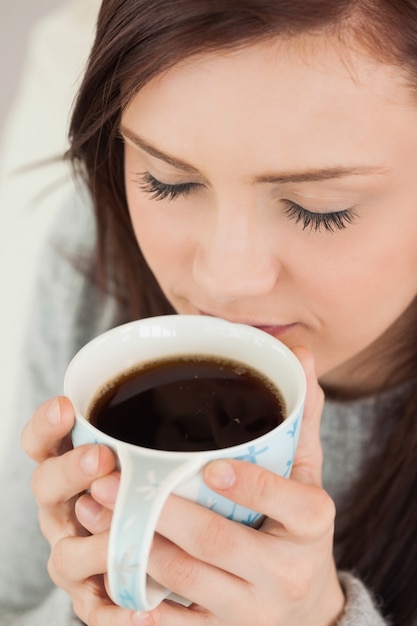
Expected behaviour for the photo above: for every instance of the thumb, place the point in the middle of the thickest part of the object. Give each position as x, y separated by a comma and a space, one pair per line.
308, 460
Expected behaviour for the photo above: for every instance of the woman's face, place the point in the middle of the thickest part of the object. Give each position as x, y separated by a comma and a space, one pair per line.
276, 186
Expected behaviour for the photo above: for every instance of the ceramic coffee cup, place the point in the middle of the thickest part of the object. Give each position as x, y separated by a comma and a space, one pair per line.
149, 476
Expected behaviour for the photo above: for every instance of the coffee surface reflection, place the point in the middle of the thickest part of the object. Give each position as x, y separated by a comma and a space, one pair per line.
188, 404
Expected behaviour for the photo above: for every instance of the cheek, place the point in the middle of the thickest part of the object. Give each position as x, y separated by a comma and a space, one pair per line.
360, 311
357, 291
151, 239
164, 243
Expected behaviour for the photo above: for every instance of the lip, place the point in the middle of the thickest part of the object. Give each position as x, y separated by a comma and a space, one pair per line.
276, 330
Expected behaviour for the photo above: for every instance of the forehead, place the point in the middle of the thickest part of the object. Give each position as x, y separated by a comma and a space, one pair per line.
287, 60
275, 97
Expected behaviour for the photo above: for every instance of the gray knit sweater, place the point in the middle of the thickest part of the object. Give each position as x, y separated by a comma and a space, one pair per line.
67, 311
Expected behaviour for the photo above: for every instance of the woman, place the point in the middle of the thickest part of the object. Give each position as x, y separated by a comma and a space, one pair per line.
252, 161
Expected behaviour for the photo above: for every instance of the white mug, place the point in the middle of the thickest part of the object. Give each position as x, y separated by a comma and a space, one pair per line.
149, 476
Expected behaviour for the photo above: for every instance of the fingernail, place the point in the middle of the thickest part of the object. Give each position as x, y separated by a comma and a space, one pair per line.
142, 619
89, 461
89, 511
220, 475
105, 489
53, 412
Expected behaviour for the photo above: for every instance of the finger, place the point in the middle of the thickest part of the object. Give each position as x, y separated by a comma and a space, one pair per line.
47, 432
211, 538
75, 559
91, 515
59, 479
104, 490
308, 460
304, 510
197, 581
93, 606
170, 613
268, 566
108, 614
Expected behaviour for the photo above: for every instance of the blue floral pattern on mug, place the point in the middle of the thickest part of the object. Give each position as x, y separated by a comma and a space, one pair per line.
231, 510
127, 569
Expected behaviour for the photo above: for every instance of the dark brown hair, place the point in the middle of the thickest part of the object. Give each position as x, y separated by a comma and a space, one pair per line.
137, 40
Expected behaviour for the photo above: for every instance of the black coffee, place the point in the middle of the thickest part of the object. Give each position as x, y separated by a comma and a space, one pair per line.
188, 404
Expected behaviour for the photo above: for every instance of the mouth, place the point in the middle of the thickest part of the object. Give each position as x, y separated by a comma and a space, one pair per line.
276, 330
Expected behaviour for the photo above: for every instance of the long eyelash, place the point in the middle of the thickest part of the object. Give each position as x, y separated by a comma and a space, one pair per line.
331, 222
162, 191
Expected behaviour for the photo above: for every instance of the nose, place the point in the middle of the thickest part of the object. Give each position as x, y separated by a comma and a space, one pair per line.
236, 258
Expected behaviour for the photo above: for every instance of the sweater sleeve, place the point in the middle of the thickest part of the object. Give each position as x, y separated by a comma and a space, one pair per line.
66, 312
361, 609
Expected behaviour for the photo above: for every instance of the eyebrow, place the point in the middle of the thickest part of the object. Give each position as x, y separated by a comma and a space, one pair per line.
158, 154
316, 175
311, 175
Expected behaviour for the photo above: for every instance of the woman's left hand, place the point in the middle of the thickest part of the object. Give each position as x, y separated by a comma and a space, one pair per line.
280, 575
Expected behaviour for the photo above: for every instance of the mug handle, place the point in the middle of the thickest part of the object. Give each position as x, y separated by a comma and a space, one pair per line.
145, 485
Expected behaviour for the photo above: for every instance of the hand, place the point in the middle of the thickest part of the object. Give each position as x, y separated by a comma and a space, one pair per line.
282, 574
61, 476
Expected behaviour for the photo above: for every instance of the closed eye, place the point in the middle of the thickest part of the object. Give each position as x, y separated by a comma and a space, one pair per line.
312, 220
315, 221
163, 191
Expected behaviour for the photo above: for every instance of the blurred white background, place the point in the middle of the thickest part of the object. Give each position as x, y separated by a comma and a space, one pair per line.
16, 19
43, 48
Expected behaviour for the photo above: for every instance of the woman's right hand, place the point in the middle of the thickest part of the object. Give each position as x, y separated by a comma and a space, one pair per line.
78, 559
